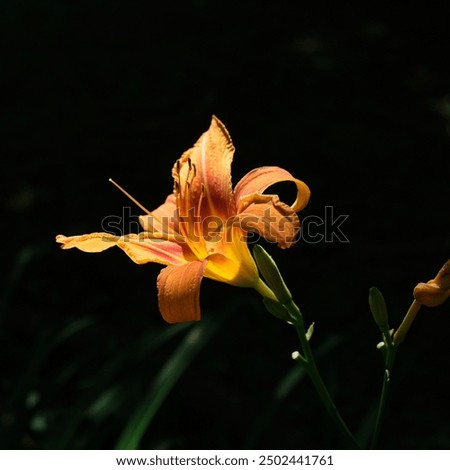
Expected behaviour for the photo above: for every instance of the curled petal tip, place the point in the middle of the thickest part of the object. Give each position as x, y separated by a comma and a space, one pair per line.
303, 196
436, 291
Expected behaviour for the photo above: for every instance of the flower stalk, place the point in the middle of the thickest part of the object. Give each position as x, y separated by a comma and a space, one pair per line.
431, 294
307, 360
305, 357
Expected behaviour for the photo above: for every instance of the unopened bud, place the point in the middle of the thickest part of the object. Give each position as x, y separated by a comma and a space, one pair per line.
271, 274
436, 291
276, 309
378, 309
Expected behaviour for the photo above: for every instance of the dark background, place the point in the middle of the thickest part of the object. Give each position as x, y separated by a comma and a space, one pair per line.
354, 101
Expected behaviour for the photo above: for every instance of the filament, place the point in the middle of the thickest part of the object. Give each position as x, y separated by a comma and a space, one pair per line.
129, 196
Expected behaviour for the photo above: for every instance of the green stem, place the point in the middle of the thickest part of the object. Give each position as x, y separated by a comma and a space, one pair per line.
279, 302
311, 367
388, 365
391, 344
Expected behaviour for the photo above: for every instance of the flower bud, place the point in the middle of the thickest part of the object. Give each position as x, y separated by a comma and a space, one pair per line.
378, 309
276, 309
271, 274
436, 291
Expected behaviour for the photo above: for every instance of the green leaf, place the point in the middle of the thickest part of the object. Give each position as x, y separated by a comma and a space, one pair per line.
166, 379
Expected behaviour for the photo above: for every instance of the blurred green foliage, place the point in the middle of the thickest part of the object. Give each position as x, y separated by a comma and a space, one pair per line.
353, 100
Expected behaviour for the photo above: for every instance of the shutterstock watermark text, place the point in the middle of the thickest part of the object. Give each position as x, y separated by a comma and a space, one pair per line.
327, 227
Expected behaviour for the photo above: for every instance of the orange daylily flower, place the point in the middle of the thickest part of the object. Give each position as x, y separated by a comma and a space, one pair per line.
200, 230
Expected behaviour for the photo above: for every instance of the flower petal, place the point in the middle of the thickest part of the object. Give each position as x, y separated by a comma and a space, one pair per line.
230, 259
272, 219
179, 292
430, 294
163, 220
211, 157
259, 179
140, 248
90, 243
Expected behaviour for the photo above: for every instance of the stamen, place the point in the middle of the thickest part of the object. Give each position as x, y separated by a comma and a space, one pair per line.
189, 227
200, 199
129, 196
166, 232
187, 184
